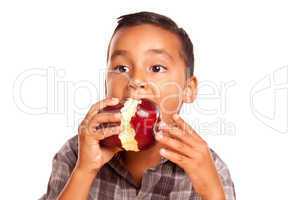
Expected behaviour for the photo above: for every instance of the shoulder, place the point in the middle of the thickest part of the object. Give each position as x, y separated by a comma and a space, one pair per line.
224, 174
221, 166
62, 166
68, 153
219, 163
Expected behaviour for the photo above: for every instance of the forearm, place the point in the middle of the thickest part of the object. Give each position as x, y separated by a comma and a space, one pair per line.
211, 190
78, 186
217, 195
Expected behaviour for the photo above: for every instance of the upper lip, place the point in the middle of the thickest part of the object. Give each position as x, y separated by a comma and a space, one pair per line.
140, 97
144, 97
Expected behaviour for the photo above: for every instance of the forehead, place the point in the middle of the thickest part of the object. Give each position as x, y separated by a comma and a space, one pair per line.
142, 39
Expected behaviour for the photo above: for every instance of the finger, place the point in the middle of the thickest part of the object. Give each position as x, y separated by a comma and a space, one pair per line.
104, 118
180, 134
103, 133
175, 157
175, 144
95, 108
113, 150
187, 128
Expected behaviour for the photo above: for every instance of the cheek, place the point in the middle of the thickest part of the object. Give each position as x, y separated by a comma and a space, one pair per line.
170, 97
116, 84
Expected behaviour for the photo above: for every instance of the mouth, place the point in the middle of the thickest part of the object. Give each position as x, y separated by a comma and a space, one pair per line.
139, 97
138, 124
150, 103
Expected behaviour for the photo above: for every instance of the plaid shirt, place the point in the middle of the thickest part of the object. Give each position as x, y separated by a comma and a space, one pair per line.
165, 181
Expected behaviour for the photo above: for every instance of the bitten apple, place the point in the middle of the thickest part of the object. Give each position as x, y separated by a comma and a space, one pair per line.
138, 123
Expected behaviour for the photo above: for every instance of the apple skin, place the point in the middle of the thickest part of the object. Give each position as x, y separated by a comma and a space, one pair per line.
143, 122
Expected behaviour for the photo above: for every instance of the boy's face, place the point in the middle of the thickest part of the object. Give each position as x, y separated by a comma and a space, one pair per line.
145, 61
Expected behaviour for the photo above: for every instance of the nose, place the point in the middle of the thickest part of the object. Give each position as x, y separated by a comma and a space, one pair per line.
137, 79
137, 84
136, 88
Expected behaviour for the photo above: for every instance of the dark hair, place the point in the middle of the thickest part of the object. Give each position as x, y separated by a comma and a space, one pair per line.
166, 23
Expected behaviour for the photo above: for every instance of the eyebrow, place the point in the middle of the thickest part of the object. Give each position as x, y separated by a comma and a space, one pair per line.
161, 52
121, 52
118, 53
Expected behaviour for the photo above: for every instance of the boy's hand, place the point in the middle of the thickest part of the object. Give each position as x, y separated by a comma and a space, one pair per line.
91, 157
183, 146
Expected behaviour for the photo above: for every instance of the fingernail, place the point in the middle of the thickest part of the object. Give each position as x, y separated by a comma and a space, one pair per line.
116, 129
175, 116
159, 135
98, 157
117, 115
162, 151
115, 100
161, 125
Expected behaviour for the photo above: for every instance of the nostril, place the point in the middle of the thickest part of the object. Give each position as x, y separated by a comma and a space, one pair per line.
137, 84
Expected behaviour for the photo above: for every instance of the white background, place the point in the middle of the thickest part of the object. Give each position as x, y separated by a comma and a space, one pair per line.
245, 46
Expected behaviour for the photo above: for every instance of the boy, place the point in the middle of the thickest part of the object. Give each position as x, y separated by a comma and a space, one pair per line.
149, 56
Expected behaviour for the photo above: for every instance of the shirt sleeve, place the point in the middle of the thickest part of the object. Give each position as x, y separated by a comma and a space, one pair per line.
62, 167
225, 176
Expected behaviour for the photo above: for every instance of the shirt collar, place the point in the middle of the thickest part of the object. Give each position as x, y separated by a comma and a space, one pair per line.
116, 162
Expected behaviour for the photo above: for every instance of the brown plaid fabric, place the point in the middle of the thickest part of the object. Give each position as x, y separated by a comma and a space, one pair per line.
113, 181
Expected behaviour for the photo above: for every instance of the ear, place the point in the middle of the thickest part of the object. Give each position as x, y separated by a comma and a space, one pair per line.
190, 90
105, 87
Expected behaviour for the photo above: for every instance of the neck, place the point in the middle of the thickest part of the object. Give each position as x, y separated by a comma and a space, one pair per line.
142, 159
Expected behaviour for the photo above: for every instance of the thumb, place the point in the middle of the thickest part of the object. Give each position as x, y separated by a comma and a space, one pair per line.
117, 149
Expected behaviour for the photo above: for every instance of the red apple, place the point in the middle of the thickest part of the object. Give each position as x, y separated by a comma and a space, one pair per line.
139, 119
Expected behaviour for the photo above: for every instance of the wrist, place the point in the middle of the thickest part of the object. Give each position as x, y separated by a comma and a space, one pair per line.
209, 191
213, 195
85, 173
78, 185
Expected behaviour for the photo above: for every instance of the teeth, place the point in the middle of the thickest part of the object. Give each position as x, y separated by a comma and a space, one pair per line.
127, 132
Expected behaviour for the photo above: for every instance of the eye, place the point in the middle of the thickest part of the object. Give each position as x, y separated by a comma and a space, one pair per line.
158, 68
121, 69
